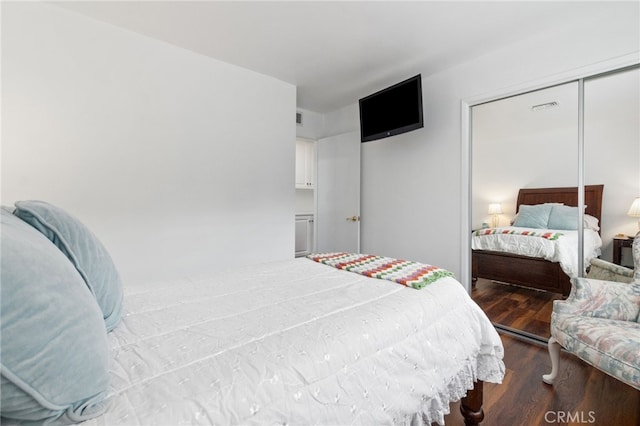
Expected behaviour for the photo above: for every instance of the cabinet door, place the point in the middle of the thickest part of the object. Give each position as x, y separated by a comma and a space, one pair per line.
301, 179
304, 236
310, 162
305, 164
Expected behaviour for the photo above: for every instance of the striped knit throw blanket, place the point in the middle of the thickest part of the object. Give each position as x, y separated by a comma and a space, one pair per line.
409, 274
547, 235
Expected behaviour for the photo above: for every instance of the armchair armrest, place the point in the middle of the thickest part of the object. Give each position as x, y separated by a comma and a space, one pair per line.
603, 270
601, 299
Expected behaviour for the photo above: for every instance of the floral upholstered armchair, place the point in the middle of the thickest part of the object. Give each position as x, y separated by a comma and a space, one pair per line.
602, 270
600, 323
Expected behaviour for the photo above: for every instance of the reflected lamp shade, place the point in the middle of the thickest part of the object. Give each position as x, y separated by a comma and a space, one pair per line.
634, 210
495, 210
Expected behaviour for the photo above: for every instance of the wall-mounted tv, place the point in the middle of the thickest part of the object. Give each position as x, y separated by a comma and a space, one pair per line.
391, 111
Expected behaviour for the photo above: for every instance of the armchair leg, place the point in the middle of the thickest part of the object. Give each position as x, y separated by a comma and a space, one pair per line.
554, 354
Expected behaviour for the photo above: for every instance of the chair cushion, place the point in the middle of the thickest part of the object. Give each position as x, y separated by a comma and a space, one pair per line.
83, 249
610, 345
54, 353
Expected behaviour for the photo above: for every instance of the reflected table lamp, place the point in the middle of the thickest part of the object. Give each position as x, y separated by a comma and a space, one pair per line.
634, 210
495, 211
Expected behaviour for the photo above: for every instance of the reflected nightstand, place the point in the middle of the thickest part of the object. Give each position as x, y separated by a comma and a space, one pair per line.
618, 244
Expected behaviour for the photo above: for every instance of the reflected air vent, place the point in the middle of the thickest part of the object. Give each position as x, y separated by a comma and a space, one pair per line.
299, 118
541, 107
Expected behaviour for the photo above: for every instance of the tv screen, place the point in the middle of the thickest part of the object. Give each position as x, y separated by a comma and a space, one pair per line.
391, 111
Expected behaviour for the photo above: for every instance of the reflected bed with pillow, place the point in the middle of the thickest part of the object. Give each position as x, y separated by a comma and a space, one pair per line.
540, 248
290, 342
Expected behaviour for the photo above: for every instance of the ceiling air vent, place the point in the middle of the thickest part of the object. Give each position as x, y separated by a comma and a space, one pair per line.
299, 118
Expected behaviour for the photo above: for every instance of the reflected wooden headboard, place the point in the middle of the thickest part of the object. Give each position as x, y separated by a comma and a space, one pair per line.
568, 196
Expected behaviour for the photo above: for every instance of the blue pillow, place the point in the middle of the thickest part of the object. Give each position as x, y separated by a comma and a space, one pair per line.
83, 249
563, 217
54, 354
536, 216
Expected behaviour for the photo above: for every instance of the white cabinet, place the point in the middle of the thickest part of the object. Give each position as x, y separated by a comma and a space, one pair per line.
304, 235
305, 164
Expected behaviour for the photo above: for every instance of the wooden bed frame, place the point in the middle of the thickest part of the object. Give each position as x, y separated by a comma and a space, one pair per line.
529, 271
471, 405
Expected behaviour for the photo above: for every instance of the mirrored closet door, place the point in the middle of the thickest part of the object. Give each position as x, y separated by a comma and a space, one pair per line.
528, 160
612, 155
523, 142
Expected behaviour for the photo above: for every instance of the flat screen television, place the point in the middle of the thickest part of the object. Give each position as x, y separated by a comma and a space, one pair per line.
391, 111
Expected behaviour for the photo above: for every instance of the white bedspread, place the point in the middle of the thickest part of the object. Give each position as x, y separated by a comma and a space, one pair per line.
564, 250
296, 342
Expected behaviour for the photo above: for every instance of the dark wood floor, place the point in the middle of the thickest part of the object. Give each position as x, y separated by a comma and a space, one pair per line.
516, 307
582, 395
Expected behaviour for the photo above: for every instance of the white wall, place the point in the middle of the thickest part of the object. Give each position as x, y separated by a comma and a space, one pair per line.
412, 184
312, 126
178, 162
341, 121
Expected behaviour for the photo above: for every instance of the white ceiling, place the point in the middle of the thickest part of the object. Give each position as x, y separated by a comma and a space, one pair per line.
338, 52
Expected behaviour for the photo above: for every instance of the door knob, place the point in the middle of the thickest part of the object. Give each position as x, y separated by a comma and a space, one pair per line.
354, 218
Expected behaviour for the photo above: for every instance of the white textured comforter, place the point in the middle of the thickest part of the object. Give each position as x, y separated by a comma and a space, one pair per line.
564, 250
296, 342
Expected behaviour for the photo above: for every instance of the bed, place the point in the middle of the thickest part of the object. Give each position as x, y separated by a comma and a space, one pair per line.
517, 256
298, 341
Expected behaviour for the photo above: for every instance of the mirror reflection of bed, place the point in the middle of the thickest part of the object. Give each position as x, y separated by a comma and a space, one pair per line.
519, 269
534, 140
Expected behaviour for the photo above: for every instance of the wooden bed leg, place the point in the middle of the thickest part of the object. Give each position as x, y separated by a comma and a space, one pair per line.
471, 405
